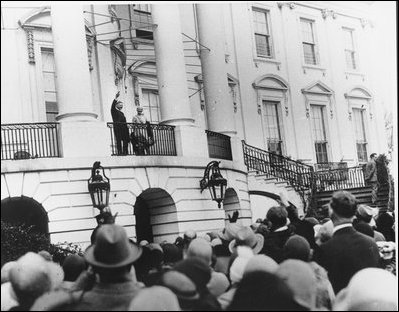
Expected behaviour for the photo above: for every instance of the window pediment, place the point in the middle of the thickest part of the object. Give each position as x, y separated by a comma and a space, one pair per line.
38, 18
358, 92
273, 82
318, 88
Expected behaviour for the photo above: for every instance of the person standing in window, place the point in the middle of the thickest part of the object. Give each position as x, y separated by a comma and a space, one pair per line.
370, 177
120, 127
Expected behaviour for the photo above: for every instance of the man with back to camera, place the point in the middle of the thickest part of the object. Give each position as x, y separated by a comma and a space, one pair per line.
120, 128
348, 251
370, 177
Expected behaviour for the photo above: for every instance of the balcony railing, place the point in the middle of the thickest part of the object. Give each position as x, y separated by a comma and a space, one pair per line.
330, 166
345, 178
151, 139
295, 173
219, 145
29, 140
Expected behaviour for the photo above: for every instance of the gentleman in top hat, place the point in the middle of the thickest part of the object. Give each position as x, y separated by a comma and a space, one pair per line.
348, 251
370, 177
111, 258
120, 128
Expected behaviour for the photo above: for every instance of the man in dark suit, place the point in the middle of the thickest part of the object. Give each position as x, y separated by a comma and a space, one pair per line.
273, 245
348, 251
370, 176
120, 128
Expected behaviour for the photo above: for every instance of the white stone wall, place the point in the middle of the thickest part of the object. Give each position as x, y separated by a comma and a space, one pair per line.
60, 185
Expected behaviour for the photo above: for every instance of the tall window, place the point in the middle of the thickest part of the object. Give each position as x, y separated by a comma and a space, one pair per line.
150, 105
142, 21
360, 133
350, 53
272, 127
50, 92
319, 133
309, 41
262, 33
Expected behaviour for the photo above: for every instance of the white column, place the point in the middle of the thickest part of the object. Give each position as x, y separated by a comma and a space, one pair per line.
171, 71
71, 63
219, 107
172, 81
81, 135
104, 61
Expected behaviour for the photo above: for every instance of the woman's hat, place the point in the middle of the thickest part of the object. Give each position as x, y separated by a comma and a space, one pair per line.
112, 248
247, 237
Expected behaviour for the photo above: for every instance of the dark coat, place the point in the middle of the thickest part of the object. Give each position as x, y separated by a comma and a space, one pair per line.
105, 297
346, 253
305, 229
274, 244
370, 174
120, 128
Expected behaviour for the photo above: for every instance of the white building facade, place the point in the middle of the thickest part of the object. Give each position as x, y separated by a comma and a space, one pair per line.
290, 78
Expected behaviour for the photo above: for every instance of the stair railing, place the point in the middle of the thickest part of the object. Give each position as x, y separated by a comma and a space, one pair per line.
337, 179
295, 173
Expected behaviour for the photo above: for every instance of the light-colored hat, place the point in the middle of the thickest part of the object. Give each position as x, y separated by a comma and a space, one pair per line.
301, 279
247, 237
5, 271
155, 298
261, 263
370, 289
230, 231
30, 277
201, 249
239, 264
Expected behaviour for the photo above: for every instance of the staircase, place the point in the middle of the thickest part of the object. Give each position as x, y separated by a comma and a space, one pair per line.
362, 194
318, 186
273, 173
295, 173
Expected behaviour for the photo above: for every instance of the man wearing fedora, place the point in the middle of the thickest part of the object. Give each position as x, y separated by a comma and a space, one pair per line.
111, 258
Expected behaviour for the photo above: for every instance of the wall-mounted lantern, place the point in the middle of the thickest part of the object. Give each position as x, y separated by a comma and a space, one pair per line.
214, 181
98, 187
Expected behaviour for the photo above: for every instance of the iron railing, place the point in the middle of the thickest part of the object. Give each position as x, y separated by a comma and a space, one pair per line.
29, 140
219, 145
295, 173
337, 179
146, 139
330, 166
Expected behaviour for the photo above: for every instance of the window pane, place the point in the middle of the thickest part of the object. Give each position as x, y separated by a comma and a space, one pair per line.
361, 152
150, 105
49, 84
262, 45
143, 21
321, 152
271, 119
260, 22
348, 39
319, 132
358, 120
307, 31
309, 53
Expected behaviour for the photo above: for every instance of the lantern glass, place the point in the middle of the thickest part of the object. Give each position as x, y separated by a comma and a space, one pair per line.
99, 192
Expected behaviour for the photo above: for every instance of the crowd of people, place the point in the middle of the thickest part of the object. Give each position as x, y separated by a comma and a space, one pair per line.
283, 262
